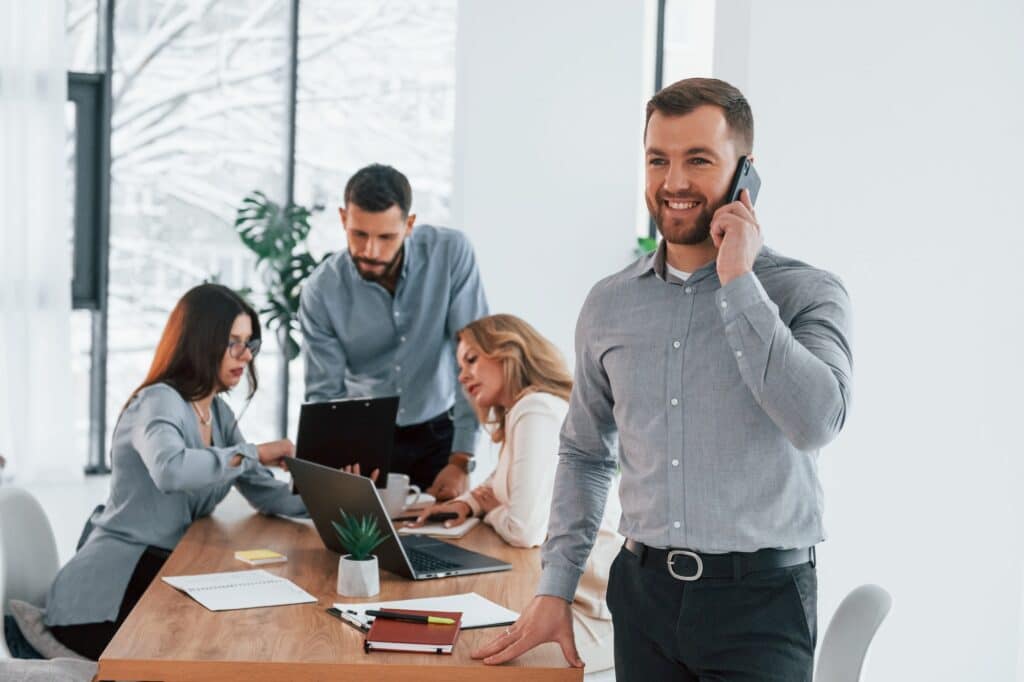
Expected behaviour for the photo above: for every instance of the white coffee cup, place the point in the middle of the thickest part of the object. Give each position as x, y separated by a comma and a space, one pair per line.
393, 495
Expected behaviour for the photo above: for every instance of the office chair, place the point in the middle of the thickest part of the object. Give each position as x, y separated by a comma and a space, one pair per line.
27, 548
849, 634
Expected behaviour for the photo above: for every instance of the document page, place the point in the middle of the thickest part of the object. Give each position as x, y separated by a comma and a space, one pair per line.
240, 590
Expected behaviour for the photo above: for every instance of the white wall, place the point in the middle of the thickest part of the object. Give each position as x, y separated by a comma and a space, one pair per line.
889, 138
549, 116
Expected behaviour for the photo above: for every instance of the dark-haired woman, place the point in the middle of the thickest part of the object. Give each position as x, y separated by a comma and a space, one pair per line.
176, 453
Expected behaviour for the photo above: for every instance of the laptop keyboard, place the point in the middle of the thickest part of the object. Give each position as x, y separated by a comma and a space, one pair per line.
428, 563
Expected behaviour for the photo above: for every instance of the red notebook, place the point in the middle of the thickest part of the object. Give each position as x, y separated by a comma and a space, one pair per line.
400, 635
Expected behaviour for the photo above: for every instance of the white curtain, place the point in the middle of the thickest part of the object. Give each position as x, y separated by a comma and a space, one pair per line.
35, 257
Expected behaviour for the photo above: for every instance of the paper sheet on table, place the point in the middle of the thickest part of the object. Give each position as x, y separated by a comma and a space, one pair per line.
240, 590
477, 611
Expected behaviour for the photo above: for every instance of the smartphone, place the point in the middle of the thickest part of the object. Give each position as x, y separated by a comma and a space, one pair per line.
745, 178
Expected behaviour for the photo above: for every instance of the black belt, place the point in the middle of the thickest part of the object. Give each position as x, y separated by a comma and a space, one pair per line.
687, 565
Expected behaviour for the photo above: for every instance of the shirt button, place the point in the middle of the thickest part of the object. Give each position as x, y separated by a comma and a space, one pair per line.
402, 339
724, 305
675, 462
396, 313
739, 354
689, 290
674, 401
401, 410
398, 368
676, 344
676, 524
398, 390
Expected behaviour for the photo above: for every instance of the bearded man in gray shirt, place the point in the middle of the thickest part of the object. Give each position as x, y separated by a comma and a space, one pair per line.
722, 367
380, 319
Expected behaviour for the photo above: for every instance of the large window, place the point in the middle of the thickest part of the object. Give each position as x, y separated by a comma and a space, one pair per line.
199, 120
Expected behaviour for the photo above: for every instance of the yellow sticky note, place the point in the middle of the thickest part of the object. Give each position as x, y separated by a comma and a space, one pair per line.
260, 556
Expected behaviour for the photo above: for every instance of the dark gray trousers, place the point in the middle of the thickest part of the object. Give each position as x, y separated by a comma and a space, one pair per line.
762, 627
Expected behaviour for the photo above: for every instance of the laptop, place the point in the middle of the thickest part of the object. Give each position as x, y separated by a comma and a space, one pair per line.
343, 432
325, 490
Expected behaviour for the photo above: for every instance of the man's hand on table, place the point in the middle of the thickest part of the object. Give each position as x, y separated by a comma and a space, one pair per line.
546, 619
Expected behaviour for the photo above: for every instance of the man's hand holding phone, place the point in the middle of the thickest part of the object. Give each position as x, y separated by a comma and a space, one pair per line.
737, 236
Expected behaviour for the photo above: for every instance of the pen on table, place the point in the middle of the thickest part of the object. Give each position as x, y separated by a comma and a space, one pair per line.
433, 518
411, 617
354, 622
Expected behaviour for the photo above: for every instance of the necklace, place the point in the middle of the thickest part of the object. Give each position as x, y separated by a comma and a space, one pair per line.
205, 421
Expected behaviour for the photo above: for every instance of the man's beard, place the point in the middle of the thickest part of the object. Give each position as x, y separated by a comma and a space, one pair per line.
387, 274
674, 230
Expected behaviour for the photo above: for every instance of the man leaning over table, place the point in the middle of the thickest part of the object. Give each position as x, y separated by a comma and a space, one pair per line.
380, 319
723, 367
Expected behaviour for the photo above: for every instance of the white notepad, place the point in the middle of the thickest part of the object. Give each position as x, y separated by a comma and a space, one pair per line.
438, 530
240, 590
477, 611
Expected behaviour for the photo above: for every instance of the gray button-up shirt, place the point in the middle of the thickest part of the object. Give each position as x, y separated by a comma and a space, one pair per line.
163, 478
719, 397
362, 341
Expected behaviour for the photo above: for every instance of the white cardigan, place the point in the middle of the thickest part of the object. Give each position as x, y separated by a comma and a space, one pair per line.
523, 481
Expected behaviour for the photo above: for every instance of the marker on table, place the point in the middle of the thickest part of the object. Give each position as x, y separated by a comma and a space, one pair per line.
411, 617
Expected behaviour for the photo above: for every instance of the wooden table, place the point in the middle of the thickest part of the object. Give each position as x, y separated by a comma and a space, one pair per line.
169, 636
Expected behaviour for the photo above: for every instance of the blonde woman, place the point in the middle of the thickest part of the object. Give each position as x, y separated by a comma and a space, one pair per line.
519, 385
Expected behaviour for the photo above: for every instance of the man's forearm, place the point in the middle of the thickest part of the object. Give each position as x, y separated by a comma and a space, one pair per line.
580, 493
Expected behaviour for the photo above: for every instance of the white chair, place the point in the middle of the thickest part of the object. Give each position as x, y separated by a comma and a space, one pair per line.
28, 549
849, 634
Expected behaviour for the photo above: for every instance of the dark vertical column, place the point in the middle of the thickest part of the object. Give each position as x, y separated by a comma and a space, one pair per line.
659, 77
97, 463
288, 198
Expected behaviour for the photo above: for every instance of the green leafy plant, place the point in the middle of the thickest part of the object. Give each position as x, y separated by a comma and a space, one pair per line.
360, 536
277, 236
646, 245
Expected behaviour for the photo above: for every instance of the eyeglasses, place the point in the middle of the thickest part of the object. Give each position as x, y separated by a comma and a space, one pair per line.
236, 349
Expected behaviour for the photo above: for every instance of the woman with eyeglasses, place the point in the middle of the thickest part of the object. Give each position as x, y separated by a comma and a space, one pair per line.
175, 454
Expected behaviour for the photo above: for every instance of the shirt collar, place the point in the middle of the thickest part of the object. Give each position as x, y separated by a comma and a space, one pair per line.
654, 263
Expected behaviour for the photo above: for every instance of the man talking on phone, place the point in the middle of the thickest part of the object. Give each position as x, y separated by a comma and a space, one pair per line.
380, 319
723, 367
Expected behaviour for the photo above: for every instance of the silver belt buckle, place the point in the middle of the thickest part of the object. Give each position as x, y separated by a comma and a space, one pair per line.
686, 578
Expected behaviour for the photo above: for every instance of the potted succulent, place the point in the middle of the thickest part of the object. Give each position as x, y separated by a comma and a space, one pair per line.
358, 573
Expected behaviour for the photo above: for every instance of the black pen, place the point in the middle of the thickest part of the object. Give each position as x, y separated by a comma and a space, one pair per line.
337, 614
433, 518
411, 617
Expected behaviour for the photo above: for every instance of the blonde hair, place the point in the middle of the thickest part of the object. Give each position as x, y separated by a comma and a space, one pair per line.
530, 363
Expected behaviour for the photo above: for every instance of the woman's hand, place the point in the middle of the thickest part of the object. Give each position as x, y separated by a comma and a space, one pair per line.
455, 507
484, 495
354, 469
276, 453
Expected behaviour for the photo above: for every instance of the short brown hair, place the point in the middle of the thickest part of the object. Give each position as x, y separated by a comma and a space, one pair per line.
682, 97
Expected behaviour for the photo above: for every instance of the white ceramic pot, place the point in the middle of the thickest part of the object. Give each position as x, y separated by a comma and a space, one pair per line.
358, 578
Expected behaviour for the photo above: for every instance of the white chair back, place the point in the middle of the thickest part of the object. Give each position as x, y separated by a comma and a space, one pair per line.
4, 653
28, 550
849, 634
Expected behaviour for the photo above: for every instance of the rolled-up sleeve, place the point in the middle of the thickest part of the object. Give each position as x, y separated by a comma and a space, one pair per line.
158, 436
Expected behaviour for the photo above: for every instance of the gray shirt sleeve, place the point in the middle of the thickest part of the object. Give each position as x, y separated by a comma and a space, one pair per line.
467, 304
323, 353
586, 465
263, 491
799, 374
158, 436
